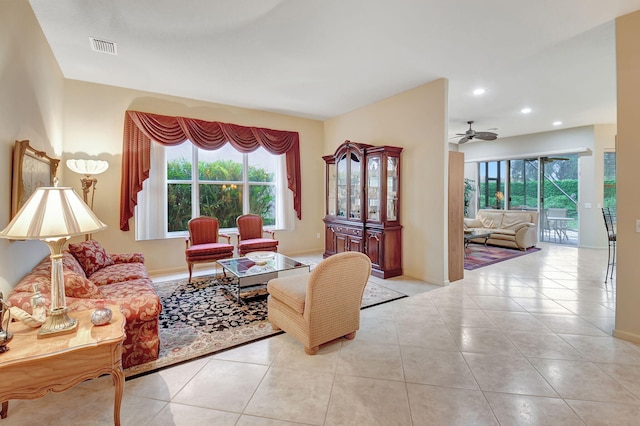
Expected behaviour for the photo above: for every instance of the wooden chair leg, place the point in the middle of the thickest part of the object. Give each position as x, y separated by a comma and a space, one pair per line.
5, 410
190, 265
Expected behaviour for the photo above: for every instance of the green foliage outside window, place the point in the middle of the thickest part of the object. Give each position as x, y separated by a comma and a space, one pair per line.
179, 201
610, 180
220, 200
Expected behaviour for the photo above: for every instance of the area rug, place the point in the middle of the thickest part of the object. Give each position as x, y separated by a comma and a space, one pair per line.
202, 318
477, 255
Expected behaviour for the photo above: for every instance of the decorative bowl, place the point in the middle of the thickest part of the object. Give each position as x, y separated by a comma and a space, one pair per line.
101, 315
261, 257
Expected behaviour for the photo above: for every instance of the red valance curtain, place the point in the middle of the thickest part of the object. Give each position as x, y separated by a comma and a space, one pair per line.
140, 128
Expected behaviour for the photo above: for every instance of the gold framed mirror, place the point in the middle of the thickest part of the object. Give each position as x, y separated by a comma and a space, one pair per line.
31, 169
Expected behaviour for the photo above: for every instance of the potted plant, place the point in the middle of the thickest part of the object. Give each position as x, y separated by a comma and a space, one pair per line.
469, 189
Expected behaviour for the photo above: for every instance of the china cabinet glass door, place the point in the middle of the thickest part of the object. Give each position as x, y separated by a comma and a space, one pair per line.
373, 189
331, 189
341, 167
354, 190
392, 188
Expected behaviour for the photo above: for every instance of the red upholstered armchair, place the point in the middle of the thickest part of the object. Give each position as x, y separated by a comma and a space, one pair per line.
250, 235
202, 243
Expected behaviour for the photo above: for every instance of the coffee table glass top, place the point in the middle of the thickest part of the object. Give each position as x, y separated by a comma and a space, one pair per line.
243, 267
476, 233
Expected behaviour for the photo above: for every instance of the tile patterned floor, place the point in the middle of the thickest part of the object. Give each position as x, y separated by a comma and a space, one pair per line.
527, 341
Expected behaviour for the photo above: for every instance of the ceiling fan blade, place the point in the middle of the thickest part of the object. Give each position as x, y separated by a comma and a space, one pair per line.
487, 136
463, 140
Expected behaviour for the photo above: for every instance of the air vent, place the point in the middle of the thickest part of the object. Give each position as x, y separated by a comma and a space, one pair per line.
103, 46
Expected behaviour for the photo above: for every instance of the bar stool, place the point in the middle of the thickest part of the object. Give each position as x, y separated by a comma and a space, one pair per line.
611, 236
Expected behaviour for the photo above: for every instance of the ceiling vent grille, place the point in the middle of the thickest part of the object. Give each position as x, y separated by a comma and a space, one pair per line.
103, 46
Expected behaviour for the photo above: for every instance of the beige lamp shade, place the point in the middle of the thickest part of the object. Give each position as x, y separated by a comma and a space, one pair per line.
52, 212
87, 167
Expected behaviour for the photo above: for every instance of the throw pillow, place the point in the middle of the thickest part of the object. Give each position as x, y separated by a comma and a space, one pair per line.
78, 286
91, 256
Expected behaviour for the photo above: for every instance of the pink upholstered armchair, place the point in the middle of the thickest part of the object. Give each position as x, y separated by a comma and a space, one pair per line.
251, 235
321, 306
202, 243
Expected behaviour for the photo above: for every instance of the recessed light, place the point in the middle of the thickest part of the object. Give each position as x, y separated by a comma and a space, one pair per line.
525, 110
479, 92
557, 123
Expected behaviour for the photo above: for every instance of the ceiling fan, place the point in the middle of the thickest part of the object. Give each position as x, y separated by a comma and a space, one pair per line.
472, 134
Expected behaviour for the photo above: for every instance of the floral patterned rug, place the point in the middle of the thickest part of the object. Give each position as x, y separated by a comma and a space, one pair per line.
478, 255
203, 317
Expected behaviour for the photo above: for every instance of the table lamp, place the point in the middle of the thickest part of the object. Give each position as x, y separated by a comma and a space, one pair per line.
53, 214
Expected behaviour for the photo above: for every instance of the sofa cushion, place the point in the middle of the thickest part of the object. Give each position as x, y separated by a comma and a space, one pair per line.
503, 236
291, 291
472, 223
91, 256
491, 219
512, 220
257, 244
76, 285
120, 272
137, 298
208, 250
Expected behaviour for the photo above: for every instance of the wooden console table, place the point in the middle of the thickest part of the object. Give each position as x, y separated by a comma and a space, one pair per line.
32, 367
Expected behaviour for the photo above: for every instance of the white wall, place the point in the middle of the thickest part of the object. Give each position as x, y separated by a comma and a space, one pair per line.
31, 92
628, 176
417, 121
595, 139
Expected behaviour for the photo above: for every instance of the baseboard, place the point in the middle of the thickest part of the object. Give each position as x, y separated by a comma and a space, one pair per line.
592, 247
625, 335
167, 271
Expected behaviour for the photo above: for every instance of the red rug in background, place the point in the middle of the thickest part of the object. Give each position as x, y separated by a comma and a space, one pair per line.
477, 255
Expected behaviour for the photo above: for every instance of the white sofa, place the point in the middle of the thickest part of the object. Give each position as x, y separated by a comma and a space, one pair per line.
508, 228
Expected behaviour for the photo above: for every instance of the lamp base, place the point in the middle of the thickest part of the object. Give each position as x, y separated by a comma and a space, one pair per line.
58, 322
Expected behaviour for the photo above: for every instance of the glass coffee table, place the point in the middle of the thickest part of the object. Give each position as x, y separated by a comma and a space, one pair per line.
468, 236
253, 271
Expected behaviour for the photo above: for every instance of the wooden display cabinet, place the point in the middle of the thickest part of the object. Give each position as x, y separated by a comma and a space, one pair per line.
363, 205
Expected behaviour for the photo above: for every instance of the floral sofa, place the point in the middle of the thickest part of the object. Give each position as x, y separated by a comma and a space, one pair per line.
91, 275
508, 228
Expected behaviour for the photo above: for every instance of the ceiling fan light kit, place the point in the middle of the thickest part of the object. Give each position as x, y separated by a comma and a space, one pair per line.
472, 134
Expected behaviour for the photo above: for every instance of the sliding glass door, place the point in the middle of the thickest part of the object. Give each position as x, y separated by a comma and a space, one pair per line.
523, 184
559, 199
548, 185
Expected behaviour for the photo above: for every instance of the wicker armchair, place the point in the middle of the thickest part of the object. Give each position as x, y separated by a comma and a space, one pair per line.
321, 306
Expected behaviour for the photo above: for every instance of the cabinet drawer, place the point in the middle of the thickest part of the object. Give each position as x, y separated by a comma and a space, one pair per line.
348, 231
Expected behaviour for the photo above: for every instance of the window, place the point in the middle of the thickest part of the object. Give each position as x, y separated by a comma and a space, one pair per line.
492, 176
610, 180
223, 183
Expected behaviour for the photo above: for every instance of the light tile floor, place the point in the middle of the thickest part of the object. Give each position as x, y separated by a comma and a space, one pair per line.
527, 341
